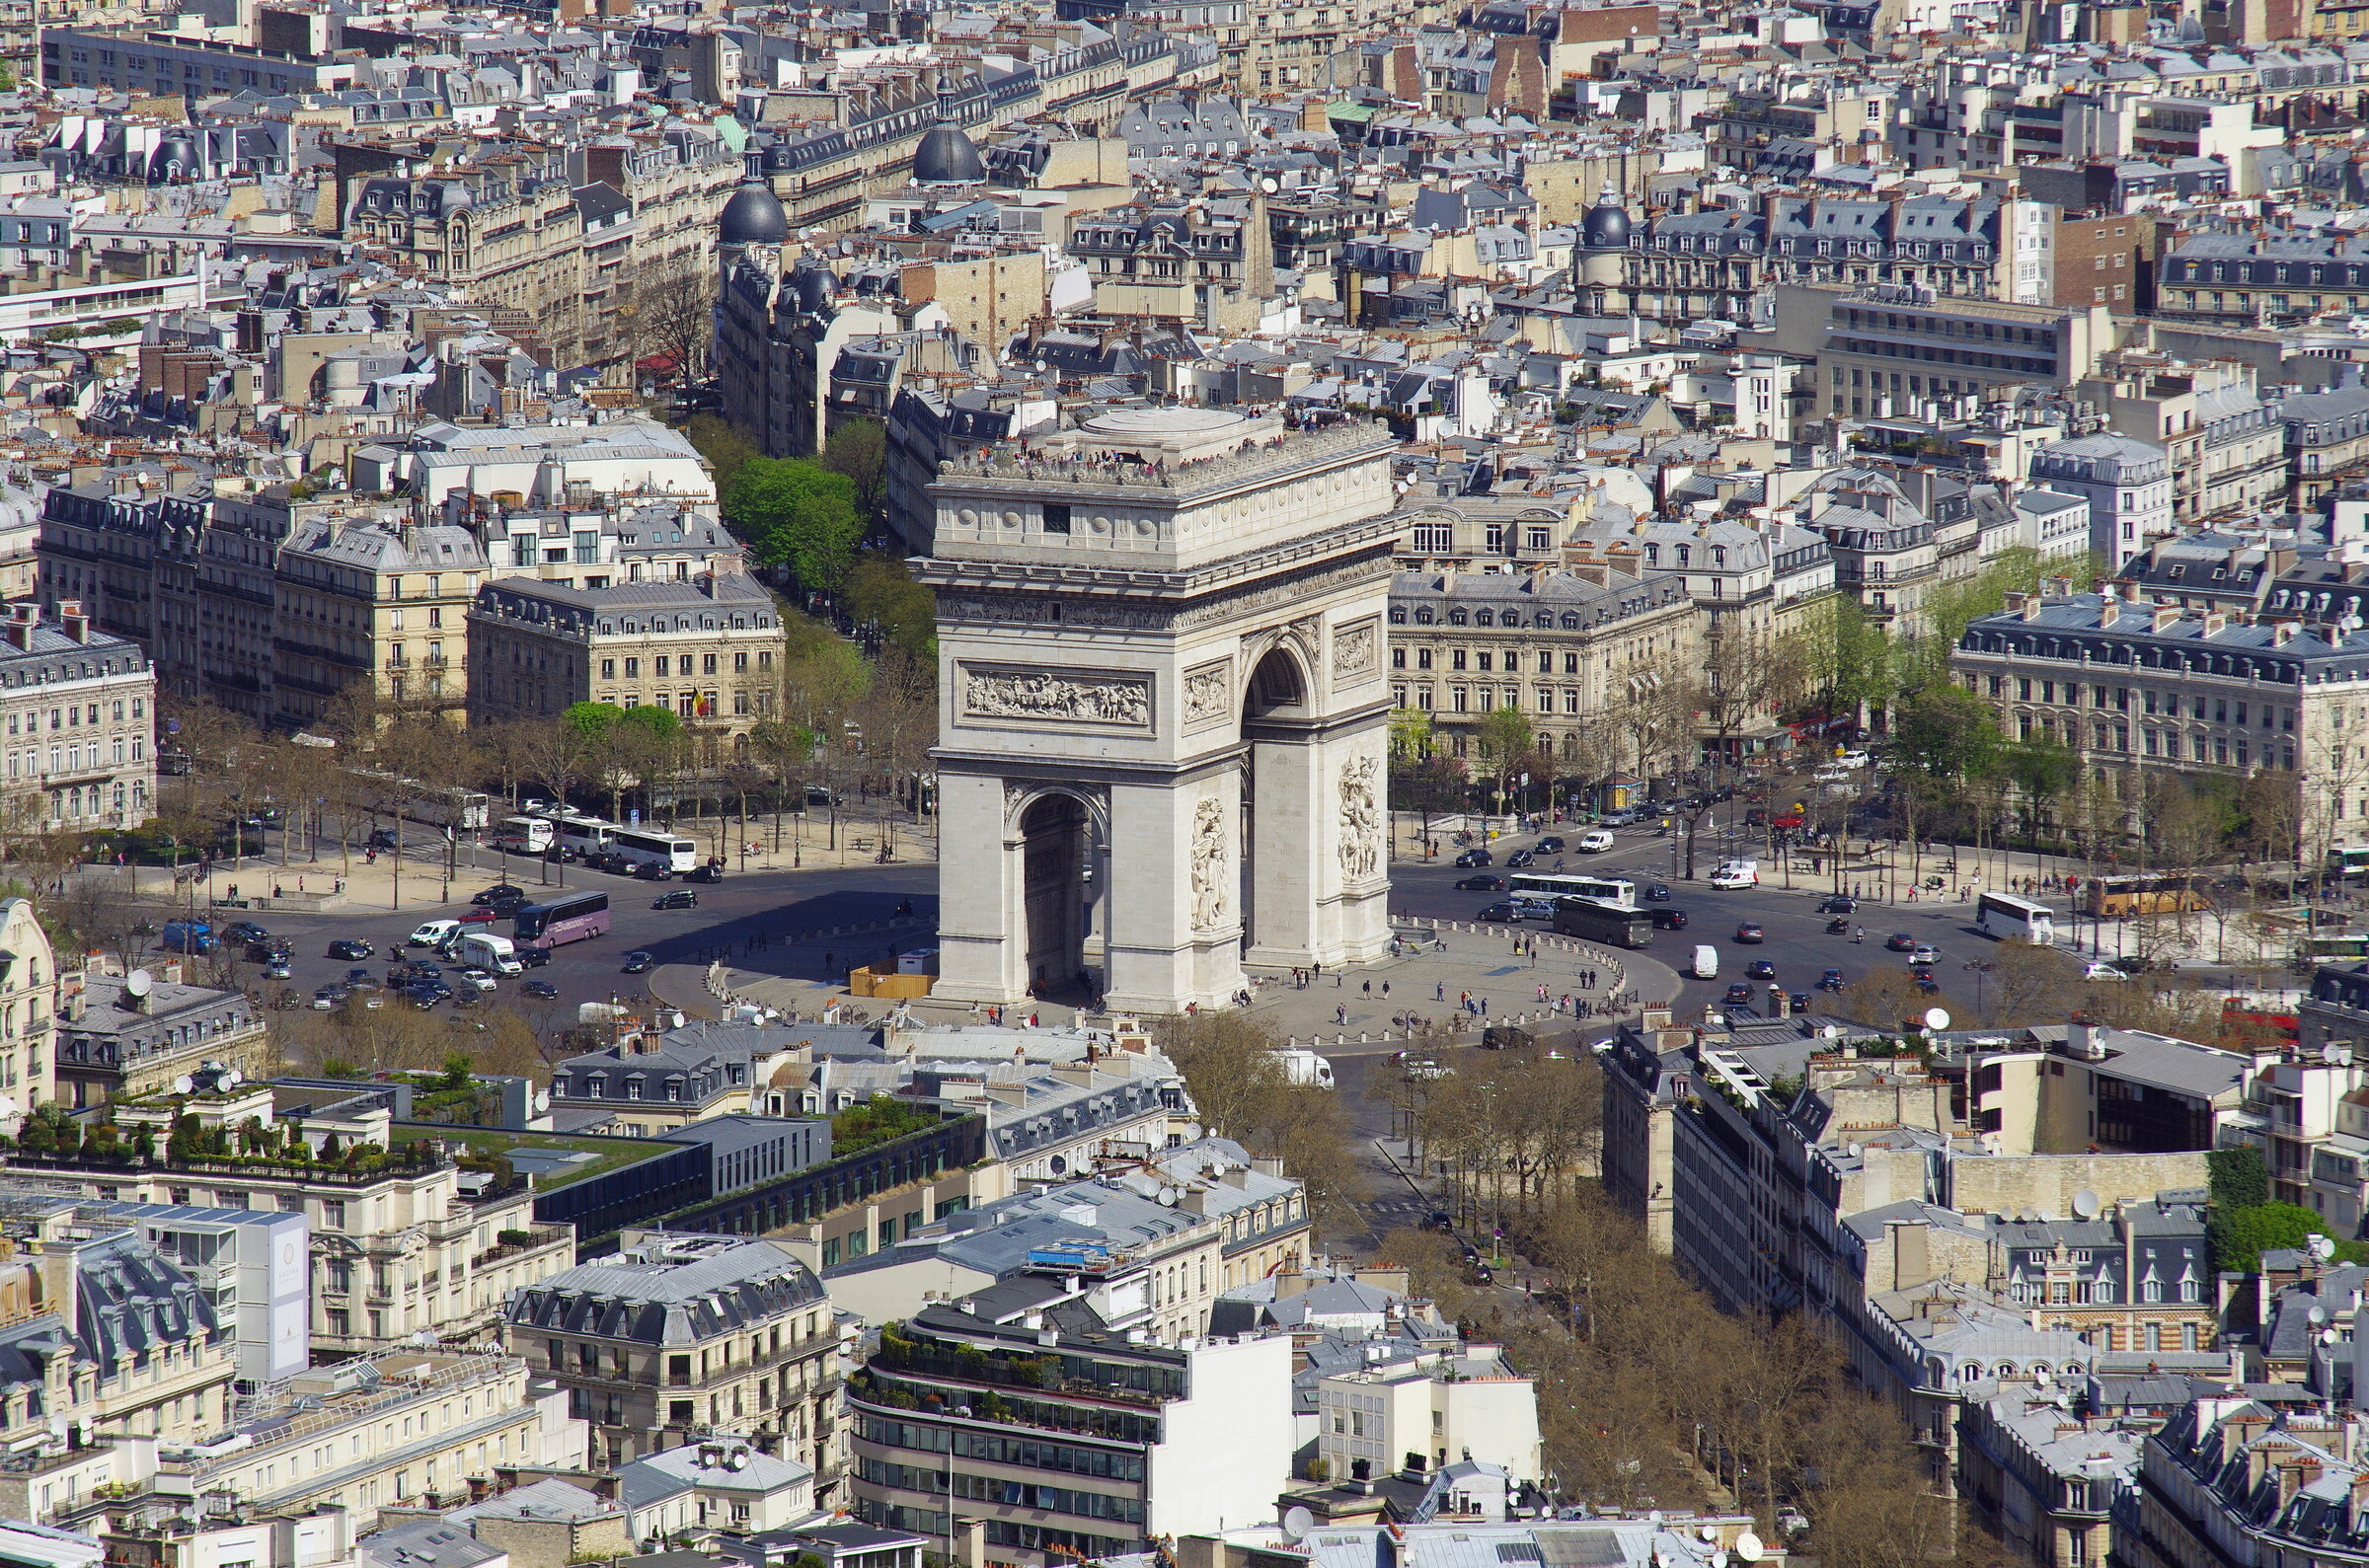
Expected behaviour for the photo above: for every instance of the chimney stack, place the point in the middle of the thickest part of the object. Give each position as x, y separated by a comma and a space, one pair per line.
71, 617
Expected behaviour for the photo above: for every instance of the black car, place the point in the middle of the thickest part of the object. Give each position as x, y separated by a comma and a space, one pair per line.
704, 874
543, 989
422, 998
1831, 980
245, 931
1900, 941
1552, 844
1482, 885
638, 963
532, 957
498, 893
360, 978
270, 950
1760, 969
350, 947
1657, 892
1757, 818
680, 898
1800, 1000
1669, 920
1839, 904
652, 872
1738, 993
1519, 859
1501, 914
1472, 858
382, 839
602, 861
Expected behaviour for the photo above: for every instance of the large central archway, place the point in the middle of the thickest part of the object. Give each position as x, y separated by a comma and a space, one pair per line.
1055, 841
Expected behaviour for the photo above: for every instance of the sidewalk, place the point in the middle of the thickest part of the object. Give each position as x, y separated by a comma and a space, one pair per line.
1414, 997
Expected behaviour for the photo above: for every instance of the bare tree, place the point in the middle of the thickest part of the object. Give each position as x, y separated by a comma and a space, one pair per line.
667, 314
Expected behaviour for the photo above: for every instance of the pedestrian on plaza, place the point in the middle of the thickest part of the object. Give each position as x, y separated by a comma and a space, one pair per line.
1369, 988
1340, 1013
1385, 991
1439, 991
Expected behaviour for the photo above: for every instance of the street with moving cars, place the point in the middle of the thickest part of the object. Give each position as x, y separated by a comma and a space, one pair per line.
376, 958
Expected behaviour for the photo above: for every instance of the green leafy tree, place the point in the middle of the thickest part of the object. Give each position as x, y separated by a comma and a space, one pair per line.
591, 720
859, 449
880, 589
726, 448
1504, 741
2240, 1237
2239, 1178
796, 515
1947, 733
2043, 768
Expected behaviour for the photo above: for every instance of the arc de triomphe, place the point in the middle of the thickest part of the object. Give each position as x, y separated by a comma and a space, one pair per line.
1161, 712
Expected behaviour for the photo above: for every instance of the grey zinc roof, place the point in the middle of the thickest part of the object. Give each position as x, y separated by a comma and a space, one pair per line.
672, 1290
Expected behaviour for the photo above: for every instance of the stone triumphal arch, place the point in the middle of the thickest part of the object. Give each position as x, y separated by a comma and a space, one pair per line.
1163, 719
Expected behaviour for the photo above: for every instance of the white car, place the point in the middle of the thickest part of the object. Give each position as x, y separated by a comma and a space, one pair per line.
1851, 758
1595, 840
1837, 773
2098, 971
477, 978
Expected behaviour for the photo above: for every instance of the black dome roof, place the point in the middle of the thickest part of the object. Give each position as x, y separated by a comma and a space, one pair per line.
946, 157
754, 216
1607, 224
174, 154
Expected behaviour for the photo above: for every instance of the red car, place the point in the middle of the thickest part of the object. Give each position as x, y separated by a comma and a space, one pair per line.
476, 916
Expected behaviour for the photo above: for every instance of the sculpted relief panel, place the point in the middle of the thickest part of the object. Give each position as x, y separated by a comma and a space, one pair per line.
1065, 696
1209, 694
1210, 858
1356, 650
1360, 820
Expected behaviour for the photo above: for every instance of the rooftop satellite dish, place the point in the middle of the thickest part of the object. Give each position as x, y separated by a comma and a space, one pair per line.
1936, 1017
1853, 1151
184, 1084
2043, 1377
1168, 1197
1271, 185
2027, 1215
2317, 1315
1709, 1531
2084, 1204
1749, 1547
2319, 1246
139, 982
2328, 1336
232, 1078
1298, 1522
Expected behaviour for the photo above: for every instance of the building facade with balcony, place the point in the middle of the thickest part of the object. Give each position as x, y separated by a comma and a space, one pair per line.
708, 650
78, 711
114, 1043
397, 1245
2147, 692
682, 1336
379, 604
1019, 1414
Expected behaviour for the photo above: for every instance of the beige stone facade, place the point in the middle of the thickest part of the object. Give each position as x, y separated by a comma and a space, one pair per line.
708, 650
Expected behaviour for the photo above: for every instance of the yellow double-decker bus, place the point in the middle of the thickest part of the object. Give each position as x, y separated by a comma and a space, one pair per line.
2111, 897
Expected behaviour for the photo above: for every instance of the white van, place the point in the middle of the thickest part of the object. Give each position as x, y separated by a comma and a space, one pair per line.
1594, 841
434, 932
1707, 962
1736, 873
497, 955
1306, 1070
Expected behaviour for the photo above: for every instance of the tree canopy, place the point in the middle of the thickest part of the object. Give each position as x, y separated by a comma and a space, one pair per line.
796, 515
